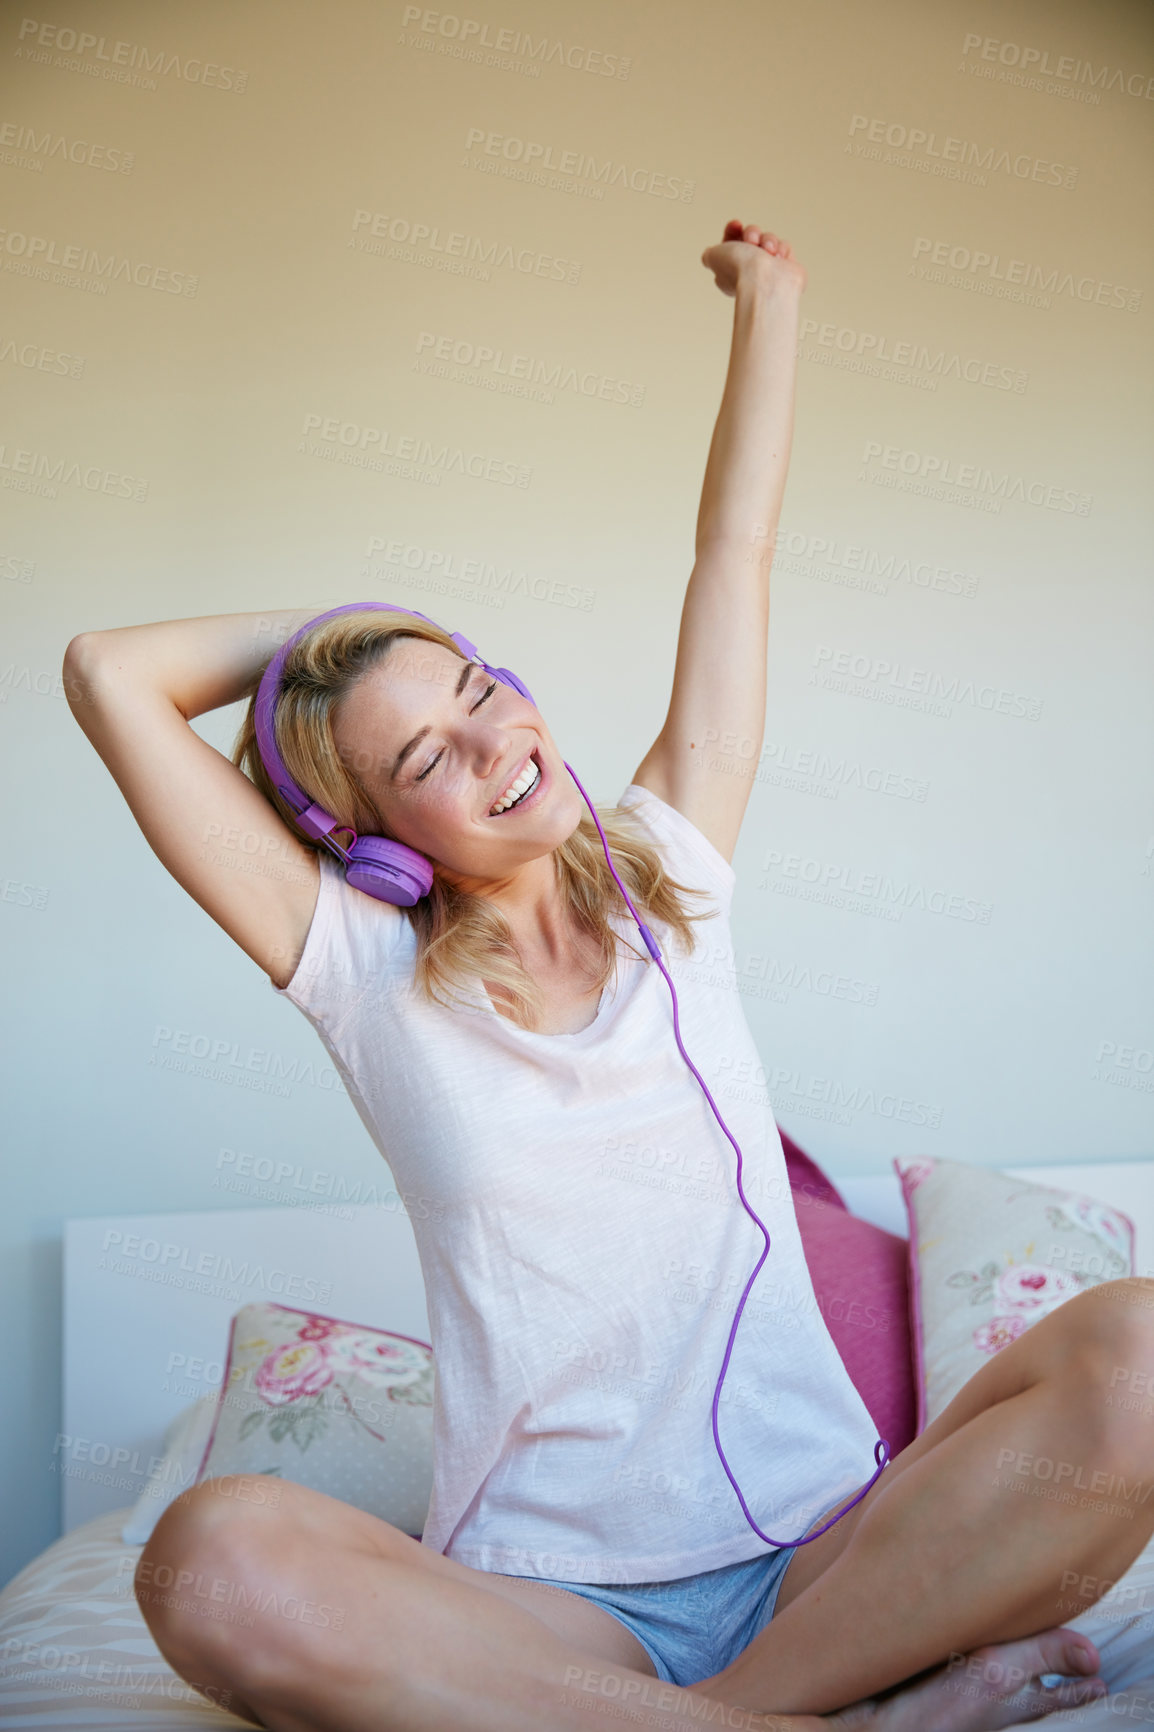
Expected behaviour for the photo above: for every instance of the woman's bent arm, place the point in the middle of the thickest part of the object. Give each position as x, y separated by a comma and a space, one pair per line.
134, 690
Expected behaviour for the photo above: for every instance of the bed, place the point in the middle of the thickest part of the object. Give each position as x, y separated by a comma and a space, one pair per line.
74, 1650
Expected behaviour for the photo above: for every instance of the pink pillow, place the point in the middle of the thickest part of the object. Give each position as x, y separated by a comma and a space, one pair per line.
860, 1276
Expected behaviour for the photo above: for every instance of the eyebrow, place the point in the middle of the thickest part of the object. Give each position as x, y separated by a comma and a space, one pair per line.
398, 762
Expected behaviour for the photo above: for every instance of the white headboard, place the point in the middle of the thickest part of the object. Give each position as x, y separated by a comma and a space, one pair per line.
148, 1300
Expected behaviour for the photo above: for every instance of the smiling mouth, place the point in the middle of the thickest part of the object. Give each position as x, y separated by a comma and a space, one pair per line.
521, 788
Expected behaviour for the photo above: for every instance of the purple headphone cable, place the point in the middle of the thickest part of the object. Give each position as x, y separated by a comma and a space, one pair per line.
881, 1448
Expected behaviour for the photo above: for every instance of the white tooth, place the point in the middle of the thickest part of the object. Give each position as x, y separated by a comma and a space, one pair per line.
521, 786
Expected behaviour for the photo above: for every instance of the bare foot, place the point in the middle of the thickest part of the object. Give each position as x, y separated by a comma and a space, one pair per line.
995, 1686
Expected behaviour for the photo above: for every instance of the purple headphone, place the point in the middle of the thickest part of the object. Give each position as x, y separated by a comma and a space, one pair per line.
393, 873
387, 870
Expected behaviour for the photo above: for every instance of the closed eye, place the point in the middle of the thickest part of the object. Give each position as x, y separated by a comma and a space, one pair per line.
484, 698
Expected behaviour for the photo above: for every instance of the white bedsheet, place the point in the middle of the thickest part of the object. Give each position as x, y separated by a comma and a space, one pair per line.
75, 1652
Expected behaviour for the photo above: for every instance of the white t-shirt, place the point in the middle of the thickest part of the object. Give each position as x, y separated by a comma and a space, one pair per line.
584, 1249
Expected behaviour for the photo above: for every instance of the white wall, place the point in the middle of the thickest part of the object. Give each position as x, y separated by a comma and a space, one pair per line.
981, 772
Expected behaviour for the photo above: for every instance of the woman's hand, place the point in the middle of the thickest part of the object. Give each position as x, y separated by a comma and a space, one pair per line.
747, 253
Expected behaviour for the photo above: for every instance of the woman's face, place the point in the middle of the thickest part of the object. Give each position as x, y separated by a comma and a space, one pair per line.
437, 743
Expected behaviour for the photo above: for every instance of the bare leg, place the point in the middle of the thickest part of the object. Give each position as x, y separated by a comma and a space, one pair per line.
302, 1614
961, 1542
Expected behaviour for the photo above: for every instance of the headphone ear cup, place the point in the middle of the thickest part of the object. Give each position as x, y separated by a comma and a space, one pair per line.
388, 870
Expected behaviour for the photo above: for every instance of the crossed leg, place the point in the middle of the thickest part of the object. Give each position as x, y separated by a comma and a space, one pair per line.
305, 1613
1035, 1471
297, 1612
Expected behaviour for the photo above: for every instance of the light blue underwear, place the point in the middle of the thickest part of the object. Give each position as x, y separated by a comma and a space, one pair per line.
695, 1626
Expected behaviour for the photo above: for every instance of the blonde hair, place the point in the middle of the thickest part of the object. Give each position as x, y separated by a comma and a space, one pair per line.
461, 936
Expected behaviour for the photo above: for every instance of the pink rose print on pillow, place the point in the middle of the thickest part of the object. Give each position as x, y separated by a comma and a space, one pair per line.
375, 1359
318, 1329
1030, 1287
288, 1373
991, 1337
1033, 1287
302, 1380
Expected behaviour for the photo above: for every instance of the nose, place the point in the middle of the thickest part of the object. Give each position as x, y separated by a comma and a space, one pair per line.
489, 744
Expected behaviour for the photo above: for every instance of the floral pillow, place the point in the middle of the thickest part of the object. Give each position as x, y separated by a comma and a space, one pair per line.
989, 1256
342, 1408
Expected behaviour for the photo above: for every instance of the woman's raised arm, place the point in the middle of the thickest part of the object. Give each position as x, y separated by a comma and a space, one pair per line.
134, 690
703, 760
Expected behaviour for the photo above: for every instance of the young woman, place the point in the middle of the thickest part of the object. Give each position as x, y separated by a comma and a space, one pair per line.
508, 1044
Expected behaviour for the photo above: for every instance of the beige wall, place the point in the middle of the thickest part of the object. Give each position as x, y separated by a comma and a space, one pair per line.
237, 239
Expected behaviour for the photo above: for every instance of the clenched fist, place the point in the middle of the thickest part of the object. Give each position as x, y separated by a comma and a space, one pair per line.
747, 252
